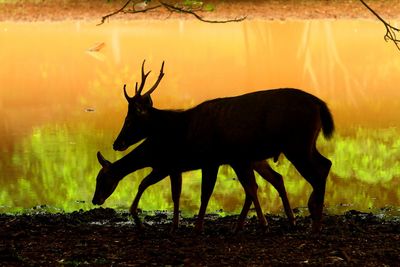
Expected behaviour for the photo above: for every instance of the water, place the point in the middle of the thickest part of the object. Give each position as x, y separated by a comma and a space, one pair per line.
61, 101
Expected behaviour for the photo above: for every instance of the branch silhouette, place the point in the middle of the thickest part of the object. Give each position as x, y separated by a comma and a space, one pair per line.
390, 30
104, 18
390, 35
169, 7
181, 10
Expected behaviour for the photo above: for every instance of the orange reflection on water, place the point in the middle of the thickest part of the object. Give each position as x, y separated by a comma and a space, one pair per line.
344, 62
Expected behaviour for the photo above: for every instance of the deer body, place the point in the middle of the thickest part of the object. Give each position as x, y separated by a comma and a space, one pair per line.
148, 155
241, 131
250, 127
222, 132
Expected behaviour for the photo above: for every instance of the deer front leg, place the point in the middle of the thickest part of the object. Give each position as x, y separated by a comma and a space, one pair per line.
243, 214
209, 177
149, 180
176, 189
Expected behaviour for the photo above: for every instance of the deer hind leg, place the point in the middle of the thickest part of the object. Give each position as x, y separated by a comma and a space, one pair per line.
274, 178
209, 177
176, 189
315, 169
247, 178
149, 180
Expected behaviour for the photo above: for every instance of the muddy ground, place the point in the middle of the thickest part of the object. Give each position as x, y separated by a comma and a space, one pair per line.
104, 237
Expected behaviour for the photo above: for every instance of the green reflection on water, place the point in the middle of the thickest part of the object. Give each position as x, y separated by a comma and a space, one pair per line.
57, 166
371, 156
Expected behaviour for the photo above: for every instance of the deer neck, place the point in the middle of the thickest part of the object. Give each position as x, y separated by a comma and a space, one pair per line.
166, 122
131, 162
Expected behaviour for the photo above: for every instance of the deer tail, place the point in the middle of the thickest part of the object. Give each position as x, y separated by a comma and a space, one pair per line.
328, 126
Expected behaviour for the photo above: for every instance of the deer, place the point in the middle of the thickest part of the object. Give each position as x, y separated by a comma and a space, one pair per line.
208, 183
145, 155
241, 131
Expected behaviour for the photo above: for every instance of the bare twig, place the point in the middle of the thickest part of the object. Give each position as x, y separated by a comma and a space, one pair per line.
103, 19
390, 30
181, 10
170, 8
131, 11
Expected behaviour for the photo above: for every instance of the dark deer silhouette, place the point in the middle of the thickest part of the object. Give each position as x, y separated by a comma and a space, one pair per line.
147, 154
237, 131
209, 176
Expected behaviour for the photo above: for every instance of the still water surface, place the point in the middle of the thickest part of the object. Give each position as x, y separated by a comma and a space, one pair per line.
61, 101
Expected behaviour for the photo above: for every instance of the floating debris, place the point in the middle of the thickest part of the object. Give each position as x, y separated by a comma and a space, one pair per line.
97, 47
90, 110
94, 51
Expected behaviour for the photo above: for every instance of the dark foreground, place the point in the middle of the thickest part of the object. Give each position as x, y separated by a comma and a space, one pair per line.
104, 237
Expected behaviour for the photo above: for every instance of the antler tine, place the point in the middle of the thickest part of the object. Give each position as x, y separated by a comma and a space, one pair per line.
158, 80
136, 92
126, 94
144, 77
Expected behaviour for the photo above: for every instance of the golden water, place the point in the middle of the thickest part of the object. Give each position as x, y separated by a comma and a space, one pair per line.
61, 101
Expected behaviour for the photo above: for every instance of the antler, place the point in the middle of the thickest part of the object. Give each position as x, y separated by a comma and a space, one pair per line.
158, 80
138, 91
144, 77
126, 94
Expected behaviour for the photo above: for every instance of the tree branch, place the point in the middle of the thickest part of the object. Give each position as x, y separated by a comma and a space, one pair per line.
181, 10
103, 19
140, 11
170, 8
390, 30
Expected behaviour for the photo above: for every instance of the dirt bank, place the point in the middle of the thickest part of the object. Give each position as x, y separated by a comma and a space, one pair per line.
104, 237
254, 9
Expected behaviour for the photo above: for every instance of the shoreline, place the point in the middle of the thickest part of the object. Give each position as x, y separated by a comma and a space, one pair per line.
104, 237
94, 10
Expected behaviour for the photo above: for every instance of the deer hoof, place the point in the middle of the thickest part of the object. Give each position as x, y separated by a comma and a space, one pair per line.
138, 222
237, 228
316, 228
198, 228
264, 229
173, 229
292, 222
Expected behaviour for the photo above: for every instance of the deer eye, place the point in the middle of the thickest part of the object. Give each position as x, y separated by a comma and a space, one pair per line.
140, 110
128, 121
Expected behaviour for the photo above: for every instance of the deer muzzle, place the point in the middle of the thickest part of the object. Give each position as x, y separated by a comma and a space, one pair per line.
119, 146
96, 201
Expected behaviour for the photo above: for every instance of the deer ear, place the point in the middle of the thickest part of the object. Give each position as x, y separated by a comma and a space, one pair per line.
103, 162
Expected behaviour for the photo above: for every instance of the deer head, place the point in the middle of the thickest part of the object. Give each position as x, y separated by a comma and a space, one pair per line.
137, 120
106, 182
